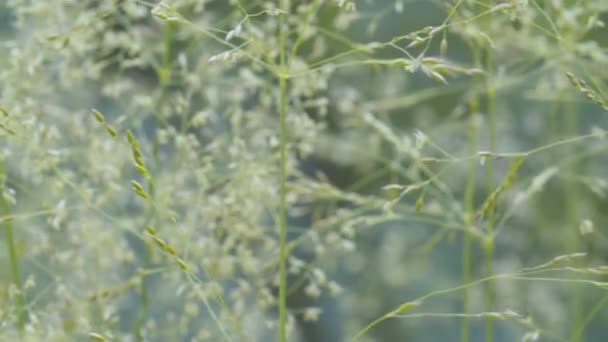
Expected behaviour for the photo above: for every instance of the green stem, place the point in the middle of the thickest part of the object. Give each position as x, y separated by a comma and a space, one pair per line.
488, 243
301, 35
580, 329
488, 240
572, 196
143, 296
12, 251
488, 248
283, 251
469, 207
283, 213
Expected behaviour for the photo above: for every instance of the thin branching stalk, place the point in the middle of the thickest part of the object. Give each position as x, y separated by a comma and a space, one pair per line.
164, 73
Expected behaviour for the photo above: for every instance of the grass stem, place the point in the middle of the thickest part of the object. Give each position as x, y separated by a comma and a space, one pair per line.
283, 106
467, 237
12, 252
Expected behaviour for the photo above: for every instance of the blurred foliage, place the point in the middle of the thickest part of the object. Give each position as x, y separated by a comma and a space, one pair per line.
431, 145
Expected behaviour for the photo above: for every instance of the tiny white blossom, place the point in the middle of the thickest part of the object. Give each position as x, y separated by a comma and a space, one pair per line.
312, 290
312, 314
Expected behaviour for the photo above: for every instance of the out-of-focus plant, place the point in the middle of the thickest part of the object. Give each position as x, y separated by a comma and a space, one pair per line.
153, 156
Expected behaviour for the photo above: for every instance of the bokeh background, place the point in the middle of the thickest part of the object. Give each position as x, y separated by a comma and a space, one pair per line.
382, 95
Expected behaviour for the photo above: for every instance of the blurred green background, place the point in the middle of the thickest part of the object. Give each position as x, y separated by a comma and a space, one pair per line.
114, 60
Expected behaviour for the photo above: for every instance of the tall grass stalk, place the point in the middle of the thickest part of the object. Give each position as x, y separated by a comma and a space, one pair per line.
469, 212
488, 243
489, 240
283, 107
572, 196
164, 75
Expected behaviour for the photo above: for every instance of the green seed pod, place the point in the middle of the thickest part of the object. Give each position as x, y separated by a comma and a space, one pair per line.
97, 337
141, 169
443, 47
160, 242
131, 138
98, 116
111, 131
170, 250
182, 264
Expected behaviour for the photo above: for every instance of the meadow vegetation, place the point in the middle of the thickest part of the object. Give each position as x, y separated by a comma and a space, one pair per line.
251, 170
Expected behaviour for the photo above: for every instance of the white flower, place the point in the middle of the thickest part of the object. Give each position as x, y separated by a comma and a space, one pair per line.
334, 288
312, 290
312, 314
